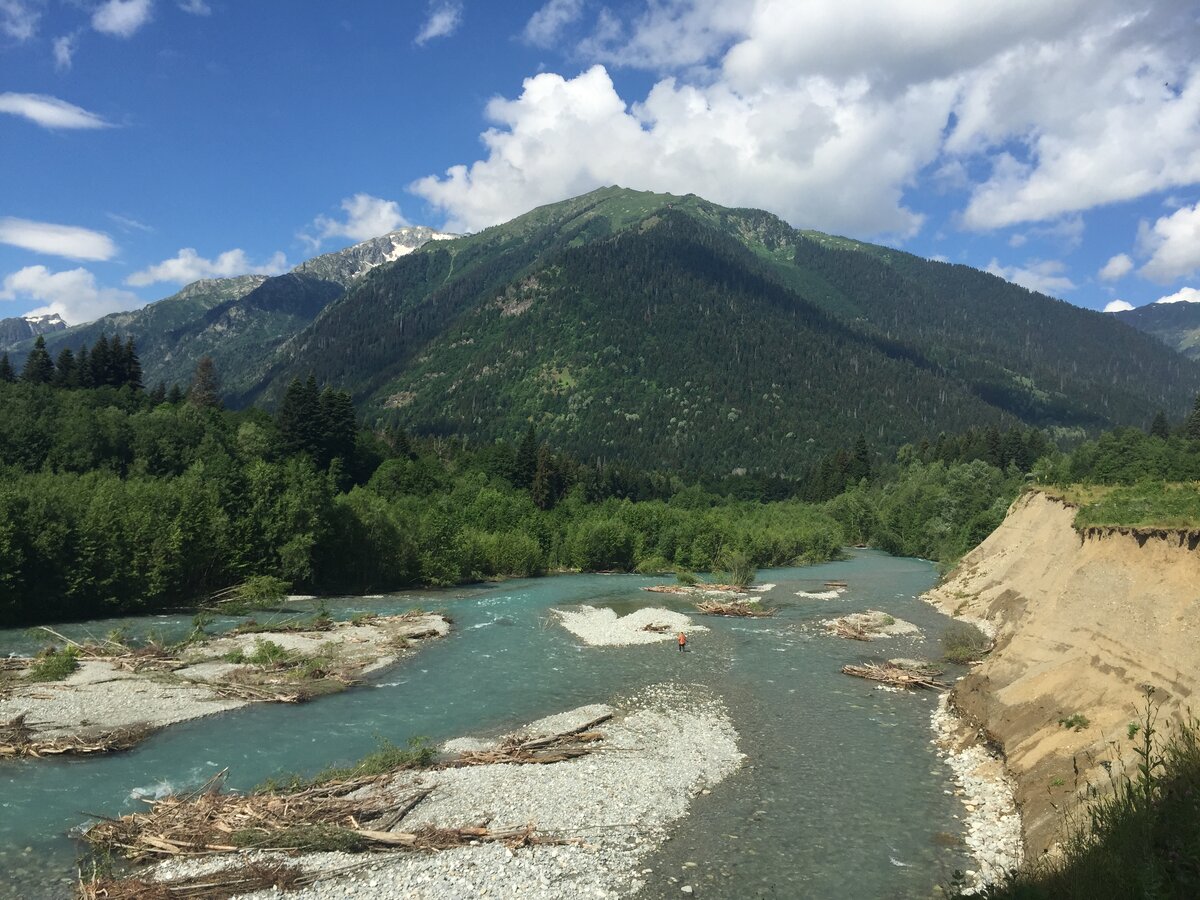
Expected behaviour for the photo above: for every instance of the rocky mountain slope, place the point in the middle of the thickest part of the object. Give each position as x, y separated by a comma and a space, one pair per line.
19, 328
1175, 324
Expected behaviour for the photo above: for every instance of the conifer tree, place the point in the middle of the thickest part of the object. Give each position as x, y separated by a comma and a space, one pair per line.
158, 396
66, 372
39, 368
544, 489
175, 396
132, 365
526, 462
205, 389
339, 425
83, 368
1191, 428
299, 417
102, 362
7, 374
1160, 427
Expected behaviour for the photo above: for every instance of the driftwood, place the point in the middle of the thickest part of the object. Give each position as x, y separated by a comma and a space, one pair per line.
898, 676
750, 609
698, 587
656, 628
19, 738
844, 629
551, 749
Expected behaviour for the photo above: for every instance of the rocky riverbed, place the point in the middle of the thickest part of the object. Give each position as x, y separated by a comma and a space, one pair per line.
664, 747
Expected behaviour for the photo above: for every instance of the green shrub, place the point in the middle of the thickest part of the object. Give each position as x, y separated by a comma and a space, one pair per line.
417, 753
686, 578
741, 569
1075, 721
963, 643
54, 665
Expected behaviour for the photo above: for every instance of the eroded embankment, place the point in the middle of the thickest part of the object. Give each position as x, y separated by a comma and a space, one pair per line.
1085, 625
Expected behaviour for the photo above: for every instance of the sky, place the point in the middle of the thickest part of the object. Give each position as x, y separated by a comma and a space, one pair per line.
148, 143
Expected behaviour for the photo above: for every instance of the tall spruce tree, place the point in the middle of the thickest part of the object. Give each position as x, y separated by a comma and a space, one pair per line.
299, 417
66, 370
158, 395
525, 464
1191, 428
1160, 427
39, 367
175, 396
205, 389
102, 362
339, 425
7, 374
83, 368
132, 365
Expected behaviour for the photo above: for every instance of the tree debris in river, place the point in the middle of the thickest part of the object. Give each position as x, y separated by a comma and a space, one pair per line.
898, 676
19, 738
750, 609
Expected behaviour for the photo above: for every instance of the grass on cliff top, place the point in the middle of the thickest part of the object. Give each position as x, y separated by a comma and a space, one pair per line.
1147, 504
1137, 840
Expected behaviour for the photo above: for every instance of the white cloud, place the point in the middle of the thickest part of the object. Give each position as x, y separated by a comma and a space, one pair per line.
57, 240
1116, 268
49, 112
196, 7
444, 18
122, 18
1044, 276
366, 217
1037, 110
64, 51
129, 224
18, 19
1185, 295
188, 266
1118, 306
72, 294
546, 25
814, 154
1173, 245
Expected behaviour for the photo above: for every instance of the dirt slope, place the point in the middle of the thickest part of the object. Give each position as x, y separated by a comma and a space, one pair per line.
1084, 625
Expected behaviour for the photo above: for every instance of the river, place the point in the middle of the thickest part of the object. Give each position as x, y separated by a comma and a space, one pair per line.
842, 794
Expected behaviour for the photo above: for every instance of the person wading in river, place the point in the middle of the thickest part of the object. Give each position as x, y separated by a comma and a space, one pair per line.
682, 642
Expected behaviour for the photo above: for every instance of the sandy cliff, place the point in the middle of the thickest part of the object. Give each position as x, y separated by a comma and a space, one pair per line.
1084, 625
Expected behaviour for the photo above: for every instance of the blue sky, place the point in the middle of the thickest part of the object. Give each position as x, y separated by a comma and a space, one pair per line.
145, 143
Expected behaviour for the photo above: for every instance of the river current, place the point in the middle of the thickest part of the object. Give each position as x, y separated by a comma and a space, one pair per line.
842, 794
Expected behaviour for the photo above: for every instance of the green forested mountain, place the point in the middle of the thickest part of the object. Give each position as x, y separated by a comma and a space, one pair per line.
672, 332
1175, 324
238, 321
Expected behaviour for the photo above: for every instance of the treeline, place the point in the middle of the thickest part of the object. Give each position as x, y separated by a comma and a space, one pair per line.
112, 501
106, 364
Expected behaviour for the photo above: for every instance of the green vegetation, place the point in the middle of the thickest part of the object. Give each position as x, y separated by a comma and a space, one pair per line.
1137, 840
417, 753
741, 570
1075, 722
54, 665
964, 643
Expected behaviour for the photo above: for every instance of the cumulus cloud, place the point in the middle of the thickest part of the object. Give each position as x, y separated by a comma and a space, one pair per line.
366, 217
18, 19
72, 294
546, 25
1173, 245
122, 18
1044, 276
1116, 268
49, 112
188, 266
57, 240
443, 20
1118, 306
1037, 111
64, 52
1186, 295
196, 7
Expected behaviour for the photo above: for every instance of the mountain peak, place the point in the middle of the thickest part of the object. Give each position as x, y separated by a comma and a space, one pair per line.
351, 263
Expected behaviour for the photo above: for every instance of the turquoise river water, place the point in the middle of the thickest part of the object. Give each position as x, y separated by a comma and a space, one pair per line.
841, 796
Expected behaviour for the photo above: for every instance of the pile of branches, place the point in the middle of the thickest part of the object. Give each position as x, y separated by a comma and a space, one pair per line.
151, 656
750, 609
244, 879
19, 738
521, 750
898, 676
852, 632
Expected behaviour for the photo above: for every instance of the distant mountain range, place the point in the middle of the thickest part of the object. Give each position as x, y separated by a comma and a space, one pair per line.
666, 331
20, 328
1175, 324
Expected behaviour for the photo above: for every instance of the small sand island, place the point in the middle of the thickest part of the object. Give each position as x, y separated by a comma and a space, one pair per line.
566, 807
107, 695
599, 626
869, 626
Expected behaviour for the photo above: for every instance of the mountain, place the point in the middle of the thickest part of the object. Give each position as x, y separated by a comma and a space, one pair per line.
239, 321
20, 328
673, 332
1175, 324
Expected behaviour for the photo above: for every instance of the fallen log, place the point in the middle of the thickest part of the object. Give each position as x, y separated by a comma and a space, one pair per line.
896, 676
750, 609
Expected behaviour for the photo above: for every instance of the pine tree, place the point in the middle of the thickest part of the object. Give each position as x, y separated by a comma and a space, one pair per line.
205, 389
860, 462
102, 362
1160, 427
526, 462
7, 375
66, 370
39, 368
131, 366
175, 396
158, 396
1191, 428
299, 418
83, 368
339, 425
544, 490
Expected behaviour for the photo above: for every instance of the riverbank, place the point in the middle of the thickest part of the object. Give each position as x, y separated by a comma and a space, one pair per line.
116, 695
604, 811
1086, 627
